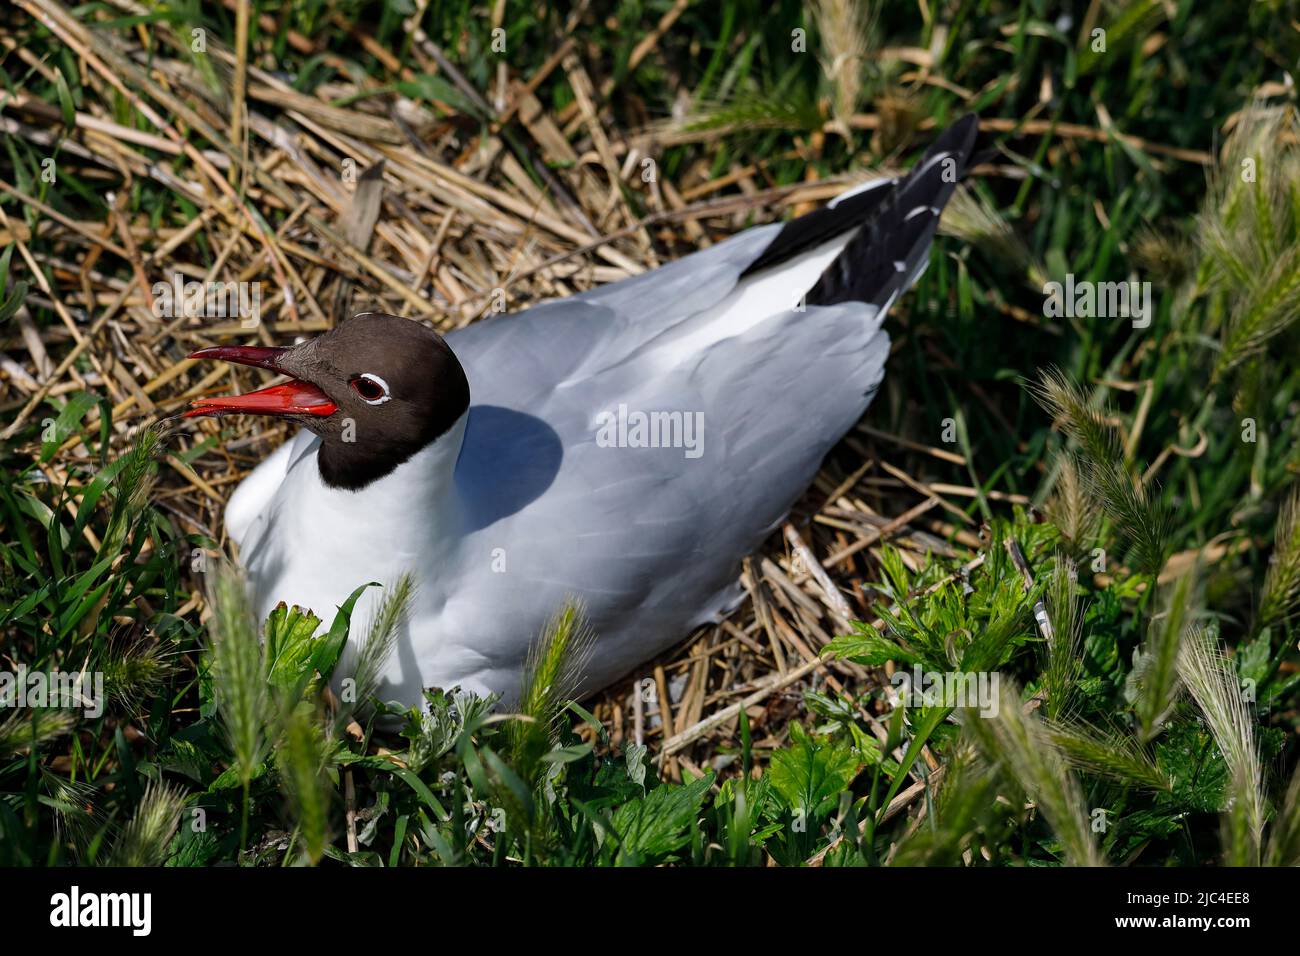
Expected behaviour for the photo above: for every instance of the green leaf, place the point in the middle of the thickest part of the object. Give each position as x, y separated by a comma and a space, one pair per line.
69, 417
9, 307
10, 301
659, 823
428, 87
867, 746
289, 646
811, 773
1254, 658
930, 718
868, 647
568, 754
33, 507
5, 258
230, 778
422, 791
65, 100
326, 652
296, 653
634, 760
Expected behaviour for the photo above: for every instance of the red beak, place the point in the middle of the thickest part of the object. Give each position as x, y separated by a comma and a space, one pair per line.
294, 397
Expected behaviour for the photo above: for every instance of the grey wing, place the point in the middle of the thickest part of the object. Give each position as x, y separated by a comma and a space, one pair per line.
520, 357
649, 538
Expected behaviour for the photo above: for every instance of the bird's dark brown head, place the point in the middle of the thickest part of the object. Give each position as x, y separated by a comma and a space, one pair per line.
377, 389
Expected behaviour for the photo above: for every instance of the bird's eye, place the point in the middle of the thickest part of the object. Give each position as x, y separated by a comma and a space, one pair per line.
372, 389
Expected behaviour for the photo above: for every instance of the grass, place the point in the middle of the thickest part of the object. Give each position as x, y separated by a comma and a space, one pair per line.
1101, 514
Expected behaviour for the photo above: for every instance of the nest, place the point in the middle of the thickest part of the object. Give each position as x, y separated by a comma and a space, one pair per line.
385, 204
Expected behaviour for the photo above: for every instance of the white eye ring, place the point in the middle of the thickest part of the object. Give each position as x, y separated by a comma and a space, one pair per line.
375, 380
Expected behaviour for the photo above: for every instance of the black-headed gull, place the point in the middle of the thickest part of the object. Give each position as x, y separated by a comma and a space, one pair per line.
628, 446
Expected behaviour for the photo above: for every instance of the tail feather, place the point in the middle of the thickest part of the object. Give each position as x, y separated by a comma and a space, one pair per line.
889, 250
894, 223
820, 225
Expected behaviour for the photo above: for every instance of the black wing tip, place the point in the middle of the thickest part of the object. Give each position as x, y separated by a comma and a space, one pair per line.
966, 129
800, 234
882, 258
958, 140
804, 232
963, 131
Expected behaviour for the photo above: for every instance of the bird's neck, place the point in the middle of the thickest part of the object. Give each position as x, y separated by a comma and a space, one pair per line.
352, 466
428, 473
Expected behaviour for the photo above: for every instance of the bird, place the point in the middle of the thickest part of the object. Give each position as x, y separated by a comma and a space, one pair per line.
625, 448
